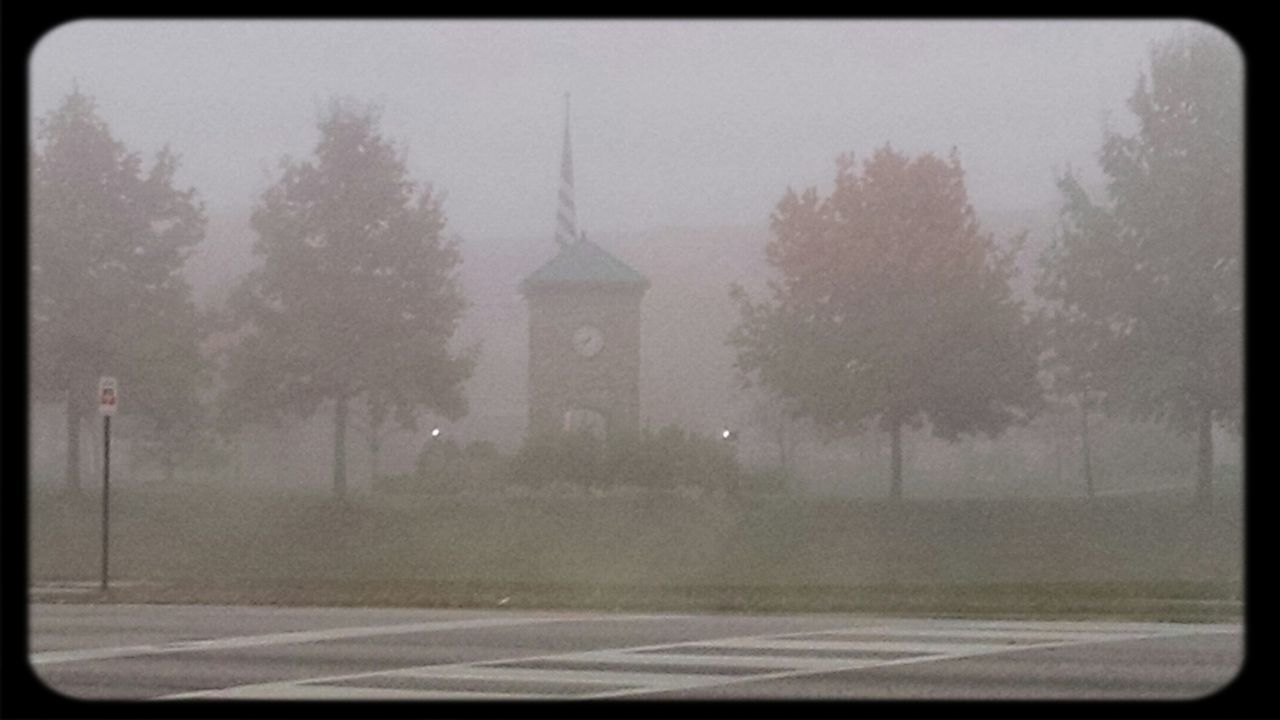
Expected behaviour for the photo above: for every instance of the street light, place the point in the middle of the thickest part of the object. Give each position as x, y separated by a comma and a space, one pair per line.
731, 436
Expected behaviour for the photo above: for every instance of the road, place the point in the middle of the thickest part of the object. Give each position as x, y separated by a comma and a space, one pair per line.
185, 651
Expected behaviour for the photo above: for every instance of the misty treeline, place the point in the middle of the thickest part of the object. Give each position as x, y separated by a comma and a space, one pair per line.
890, 306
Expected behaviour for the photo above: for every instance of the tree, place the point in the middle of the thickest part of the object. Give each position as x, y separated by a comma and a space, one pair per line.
774, 416
357, 294
892, 306
1146, 285
1080, 361
176, 419
108, 243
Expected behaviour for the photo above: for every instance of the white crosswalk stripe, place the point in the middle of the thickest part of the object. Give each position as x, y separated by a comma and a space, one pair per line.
312, 691
638, 670
908, 646
990, 634
708, 659
507, 674
286, 638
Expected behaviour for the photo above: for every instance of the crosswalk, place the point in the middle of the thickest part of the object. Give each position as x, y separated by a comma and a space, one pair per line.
640, 670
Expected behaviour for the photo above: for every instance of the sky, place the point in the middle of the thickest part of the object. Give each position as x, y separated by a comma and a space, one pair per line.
683, 123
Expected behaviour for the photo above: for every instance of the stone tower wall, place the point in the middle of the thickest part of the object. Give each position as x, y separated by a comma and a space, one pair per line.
561, 379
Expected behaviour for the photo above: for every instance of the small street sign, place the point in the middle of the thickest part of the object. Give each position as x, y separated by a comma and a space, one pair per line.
107, 395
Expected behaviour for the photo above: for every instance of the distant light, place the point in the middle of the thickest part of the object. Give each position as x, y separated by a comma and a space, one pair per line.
435, 432
726, 434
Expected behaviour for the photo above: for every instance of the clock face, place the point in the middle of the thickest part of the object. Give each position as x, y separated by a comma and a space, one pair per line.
588, 340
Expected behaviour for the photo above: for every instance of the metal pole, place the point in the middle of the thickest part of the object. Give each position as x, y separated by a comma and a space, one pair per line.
106, 492
1084, 445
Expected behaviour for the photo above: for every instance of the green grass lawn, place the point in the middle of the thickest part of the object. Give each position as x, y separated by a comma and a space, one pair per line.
651, 551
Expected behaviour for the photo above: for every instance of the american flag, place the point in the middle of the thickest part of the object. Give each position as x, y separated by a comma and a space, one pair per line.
566, 217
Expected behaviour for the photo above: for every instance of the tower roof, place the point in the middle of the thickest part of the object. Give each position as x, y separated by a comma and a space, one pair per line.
583, 264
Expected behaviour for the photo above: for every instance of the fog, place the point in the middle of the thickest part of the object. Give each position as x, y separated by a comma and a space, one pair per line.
676, 124
686, 135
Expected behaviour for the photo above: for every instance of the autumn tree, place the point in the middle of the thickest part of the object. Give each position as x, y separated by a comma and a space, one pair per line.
892, 306
108, 243
357, 294
1145, 283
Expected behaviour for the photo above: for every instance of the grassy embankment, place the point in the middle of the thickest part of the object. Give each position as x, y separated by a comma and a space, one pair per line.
1131, 557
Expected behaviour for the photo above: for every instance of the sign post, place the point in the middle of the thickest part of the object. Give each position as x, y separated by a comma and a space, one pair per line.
107, 396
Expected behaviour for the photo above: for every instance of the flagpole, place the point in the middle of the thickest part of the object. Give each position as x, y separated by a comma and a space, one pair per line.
566, 214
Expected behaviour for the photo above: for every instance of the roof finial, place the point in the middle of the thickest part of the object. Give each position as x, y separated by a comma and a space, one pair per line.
566, 216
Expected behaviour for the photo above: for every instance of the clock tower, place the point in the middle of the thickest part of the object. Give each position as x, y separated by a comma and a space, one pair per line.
584, 331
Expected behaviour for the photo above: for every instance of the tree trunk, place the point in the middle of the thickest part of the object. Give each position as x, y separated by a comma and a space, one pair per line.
783, 460
1084, 447
895, 462
73, 443
374, 446
340, 449
1204, 475
1058, 433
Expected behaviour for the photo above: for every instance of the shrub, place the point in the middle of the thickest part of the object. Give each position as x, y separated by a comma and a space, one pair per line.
440, 467
771, 481
706, 462
481, 450
574, 458
397, 484
665, 460
640, 460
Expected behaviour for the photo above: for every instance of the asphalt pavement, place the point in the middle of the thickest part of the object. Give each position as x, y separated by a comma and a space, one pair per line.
208, 652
